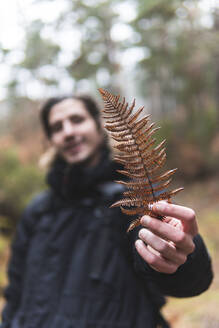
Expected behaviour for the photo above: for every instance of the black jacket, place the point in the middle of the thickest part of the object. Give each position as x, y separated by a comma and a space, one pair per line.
74, 266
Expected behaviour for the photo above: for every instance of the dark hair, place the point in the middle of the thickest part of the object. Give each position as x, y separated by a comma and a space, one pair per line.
90, 105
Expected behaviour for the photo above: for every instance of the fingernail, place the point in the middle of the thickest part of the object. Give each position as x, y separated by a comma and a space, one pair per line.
138, 243
159, 207
146, 220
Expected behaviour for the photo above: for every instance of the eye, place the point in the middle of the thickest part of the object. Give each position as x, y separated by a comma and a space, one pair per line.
56, 127
77, 119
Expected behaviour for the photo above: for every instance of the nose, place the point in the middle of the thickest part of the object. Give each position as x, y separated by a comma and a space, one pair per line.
68, 128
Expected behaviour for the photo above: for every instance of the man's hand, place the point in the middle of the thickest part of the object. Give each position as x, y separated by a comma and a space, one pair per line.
165, 245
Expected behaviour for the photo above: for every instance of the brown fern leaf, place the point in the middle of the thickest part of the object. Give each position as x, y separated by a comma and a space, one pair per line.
140, 158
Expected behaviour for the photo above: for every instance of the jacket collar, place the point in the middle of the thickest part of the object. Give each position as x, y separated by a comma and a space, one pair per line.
76, 181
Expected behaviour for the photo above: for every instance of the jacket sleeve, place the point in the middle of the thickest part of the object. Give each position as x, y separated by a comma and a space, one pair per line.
191, 279
16, 268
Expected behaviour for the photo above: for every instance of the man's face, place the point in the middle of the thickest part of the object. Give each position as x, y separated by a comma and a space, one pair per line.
74, 133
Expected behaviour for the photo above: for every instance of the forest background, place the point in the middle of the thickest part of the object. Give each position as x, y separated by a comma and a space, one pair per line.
164, 53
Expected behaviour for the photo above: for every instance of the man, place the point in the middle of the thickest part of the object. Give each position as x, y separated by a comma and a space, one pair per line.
73, 264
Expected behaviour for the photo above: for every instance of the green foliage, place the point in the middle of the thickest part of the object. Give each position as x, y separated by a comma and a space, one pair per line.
189, 144
177, 65
177, 72
18, 185
157, 8
38, 51
86, 26
202, 128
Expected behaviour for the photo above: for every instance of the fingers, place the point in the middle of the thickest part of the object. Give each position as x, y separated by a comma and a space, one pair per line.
166, 231
166, 249
155, 260
165, 244
185, 214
